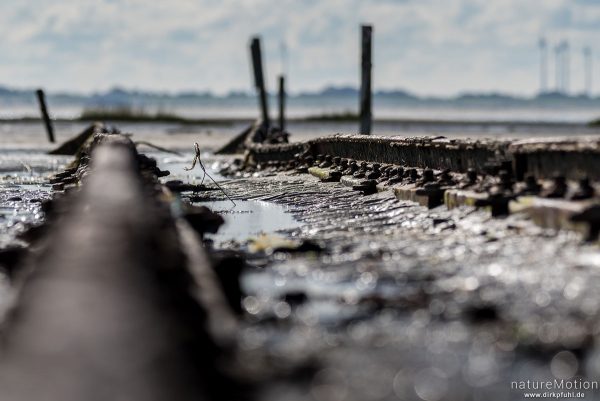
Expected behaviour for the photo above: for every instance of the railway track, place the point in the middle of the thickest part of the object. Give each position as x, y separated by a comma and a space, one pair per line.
393, 284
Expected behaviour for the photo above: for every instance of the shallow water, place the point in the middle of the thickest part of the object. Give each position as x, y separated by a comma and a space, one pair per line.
250, 218
31, 135
296, 107
245, 218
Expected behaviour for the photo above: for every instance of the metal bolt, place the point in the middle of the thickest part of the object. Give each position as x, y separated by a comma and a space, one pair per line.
506, 182
558, 189
532, 187
585, 190
433, 192
428, 176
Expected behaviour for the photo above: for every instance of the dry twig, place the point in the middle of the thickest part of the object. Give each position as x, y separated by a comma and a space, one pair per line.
199, 161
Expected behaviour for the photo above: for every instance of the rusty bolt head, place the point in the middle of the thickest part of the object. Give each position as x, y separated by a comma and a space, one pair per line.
584, 191
472, 176
428, 175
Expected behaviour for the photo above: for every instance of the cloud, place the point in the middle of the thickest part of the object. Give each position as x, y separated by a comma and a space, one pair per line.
427, 46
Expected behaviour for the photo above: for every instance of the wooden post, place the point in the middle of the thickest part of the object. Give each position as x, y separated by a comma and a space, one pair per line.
259, 80
44, 110
365, 82
282, 102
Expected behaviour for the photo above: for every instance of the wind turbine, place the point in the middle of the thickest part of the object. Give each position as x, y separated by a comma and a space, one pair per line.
558, 67
588, 67
543, 65
566, 66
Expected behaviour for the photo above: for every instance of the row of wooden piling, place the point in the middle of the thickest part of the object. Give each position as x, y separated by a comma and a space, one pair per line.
262, 94
365, 101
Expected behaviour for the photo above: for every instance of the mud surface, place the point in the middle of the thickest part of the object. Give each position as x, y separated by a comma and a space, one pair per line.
23, 188
409, 303
363, 298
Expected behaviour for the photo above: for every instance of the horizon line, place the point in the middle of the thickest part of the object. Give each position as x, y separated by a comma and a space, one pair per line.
314, 92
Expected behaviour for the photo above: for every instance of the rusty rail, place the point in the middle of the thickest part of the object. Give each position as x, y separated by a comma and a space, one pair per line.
110, 308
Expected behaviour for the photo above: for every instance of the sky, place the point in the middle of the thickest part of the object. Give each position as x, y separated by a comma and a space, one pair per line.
429, 47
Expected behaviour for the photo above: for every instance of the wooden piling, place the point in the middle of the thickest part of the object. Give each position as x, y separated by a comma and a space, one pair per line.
365, 82
282, 102
45, 116
259, 80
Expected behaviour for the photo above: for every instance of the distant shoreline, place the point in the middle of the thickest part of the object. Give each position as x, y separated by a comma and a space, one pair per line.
326, 119
126, 114
122, 95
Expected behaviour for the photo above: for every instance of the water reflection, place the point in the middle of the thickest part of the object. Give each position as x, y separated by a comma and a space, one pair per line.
249, 218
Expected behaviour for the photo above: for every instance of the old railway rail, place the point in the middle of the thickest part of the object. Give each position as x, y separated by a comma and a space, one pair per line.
553, 180
375, 297
116, 299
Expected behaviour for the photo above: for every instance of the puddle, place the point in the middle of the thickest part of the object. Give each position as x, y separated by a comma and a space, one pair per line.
246, 219
249, 218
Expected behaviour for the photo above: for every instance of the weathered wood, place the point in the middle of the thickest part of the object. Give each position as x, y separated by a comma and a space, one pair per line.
259, 81
574, 158
438, 153
236, 145
365, 81
45, 115
282, 102
71, 146
543, 158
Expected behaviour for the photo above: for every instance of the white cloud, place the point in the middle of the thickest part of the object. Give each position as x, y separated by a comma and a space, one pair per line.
427, 46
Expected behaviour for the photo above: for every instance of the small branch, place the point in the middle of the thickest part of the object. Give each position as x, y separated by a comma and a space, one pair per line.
199, 161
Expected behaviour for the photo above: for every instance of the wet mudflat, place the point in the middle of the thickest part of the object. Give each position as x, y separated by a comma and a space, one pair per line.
23, 188
408, 303
352, 297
